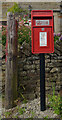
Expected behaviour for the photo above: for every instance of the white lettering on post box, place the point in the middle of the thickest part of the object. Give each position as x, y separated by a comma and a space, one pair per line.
42, 22
43, 39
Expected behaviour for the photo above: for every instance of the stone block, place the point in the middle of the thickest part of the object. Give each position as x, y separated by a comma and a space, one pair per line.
54, 70
37, 62
47, 60
23, 73
47, 70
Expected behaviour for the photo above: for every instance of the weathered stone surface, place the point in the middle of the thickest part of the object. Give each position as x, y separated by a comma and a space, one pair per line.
54, 70
47, 69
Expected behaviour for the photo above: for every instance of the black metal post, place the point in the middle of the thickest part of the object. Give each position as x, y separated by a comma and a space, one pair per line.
42, 82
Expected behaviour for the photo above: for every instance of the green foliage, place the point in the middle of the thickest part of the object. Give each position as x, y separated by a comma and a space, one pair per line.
7, 114
4, 35
22, 96
55, 102
0, 116
32, 116
4, 40
17, 107
56, 38
29, 118
24, 33
14, 117
32, 113
46, 117
16, 9
0, 37
24, 101
21, 111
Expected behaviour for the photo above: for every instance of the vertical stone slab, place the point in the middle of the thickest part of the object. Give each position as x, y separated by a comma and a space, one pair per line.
11, 62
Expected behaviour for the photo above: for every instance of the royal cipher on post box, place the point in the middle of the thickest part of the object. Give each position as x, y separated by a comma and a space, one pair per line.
42, 31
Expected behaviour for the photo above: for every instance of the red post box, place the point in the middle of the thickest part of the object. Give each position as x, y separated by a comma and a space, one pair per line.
42, 31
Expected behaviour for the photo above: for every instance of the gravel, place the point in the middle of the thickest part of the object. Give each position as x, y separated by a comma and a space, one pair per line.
32, 110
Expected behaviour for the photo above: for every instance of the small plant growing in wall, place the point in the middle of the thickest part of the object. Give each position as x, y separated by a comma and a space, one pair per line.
57, 37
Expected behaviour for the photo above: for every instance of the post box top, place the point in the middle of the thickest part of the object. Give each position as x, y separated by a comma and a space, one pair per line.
42, 13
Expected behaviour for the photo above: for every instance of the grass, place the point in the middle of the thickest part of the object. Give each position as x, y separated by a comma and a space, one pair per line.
21, 111
7, 114
56, 102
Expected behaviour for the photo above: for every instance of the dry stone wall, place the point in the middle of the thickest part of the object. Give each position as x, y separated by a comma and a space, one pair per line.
29, 71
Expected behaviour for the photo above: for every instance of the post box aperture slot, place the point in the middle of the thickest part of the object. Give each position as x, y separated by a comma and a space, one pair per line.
42, 39
42, 17
41, 22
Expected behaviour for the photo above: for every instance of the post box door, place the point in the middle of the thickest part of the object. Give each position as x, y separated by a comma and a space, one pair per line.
42, 40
